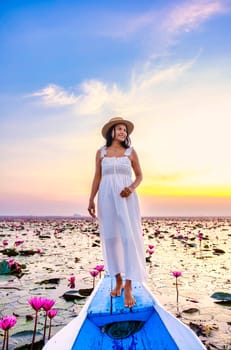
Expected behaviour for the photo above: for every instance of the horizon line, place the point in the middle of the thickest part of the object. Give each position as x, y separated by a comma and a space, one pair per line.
89, 217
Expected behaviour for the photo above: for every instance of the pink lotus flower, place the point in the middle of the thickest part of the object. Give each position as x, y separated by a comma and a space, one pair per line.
150, 252
17, 267
99, 268
47, 305
71, 283
94, 273
4, 243
200, 236
156, 232
51, 314
36, 303
151, 246
176, 274
39, 251
7, 322
11, 262
17, 243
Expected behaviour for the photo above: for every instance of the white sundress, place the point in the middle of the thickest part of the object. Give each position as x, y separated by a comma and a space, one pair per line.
120, 220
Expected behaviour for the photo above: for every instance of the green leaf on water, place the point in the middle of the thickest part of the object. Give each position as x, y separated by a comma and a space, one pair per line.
72, 295
191, 310
221, 296
224, 303
4, 268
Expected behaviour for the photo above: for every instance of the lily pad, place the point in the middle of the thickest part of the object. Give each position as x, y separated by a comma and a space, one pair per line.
4, 268
27, 252
191, 245
24, 334
191, 310
218, 251
37, 346
203, 329
9, 252
222, 296
224, 302
50, 280
85, 292
42, 236
23, 340
72, 295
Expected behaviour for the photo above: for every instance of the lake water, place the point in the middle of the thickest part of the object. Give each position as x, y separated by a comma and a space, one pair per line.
56, 248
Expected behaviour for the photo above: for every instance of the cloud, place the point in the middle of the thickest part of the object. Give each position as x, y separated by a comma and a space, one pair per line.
172, 109
189, 15
54, 95
97, 97
159, 28
182, 127
163, 75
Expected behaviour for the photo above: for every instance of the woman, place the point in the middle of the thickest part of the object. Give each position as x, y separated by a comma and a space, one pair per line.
118, 207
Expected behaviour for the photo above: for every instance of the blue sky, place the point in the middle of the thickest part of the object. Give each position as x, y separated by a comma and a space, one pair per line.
66, 67
65, 42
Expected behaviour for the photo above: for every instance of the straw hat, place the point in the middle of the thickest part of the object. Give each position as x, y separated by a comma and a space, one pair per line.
115, 121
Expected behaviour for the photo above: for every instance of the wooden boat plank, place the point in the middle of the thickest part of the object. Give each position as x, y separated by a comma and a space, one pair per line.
108, 309
101, 303
88, 338
143, 301
184, 337
160, 331
149, 337
101, 321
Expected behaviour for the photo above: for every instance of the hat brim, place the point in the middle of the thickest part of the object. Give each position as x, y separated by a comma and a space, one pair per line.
107, 126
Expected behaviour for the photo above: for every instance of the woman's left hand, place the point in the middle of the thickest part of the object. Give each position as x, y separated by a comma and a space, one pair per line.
125, 192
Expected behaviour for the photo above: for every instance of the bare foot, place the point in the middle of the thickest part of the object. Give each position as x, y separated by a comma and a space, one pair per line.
116, 292
129, 300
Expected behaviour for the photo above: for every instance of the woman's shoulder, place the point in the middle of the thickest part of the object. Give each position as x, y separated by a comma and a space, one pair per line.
129, 151
133, 154
101, 151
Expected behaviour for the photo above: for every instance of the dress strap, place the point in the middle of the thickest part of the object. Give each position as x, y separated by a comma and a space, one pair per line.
128, 151
103, 151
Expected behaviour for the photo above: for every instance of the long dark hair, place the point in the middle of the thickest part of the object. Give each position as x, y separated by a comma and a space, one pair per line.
109, 139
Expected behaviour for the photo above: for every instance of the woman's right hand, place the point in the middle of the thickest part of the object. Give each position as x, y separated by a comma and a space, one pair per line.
125, 192
91, 209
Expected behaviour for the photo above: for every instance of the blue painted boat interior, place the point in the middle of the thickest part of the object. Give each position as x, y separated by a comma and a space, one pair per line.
109, 325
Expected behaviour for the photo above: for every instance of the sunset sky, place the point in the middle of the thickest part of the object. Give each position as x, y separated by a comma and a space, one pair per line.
68, 66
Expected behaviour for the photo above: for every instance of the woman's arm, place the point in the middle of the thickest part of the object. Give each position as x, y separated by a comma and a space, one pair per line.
95, 185
138, 175
137, 171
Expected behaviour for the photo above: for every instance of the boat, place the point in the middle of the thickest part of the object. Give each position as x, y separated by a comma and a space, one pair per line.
104, 323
